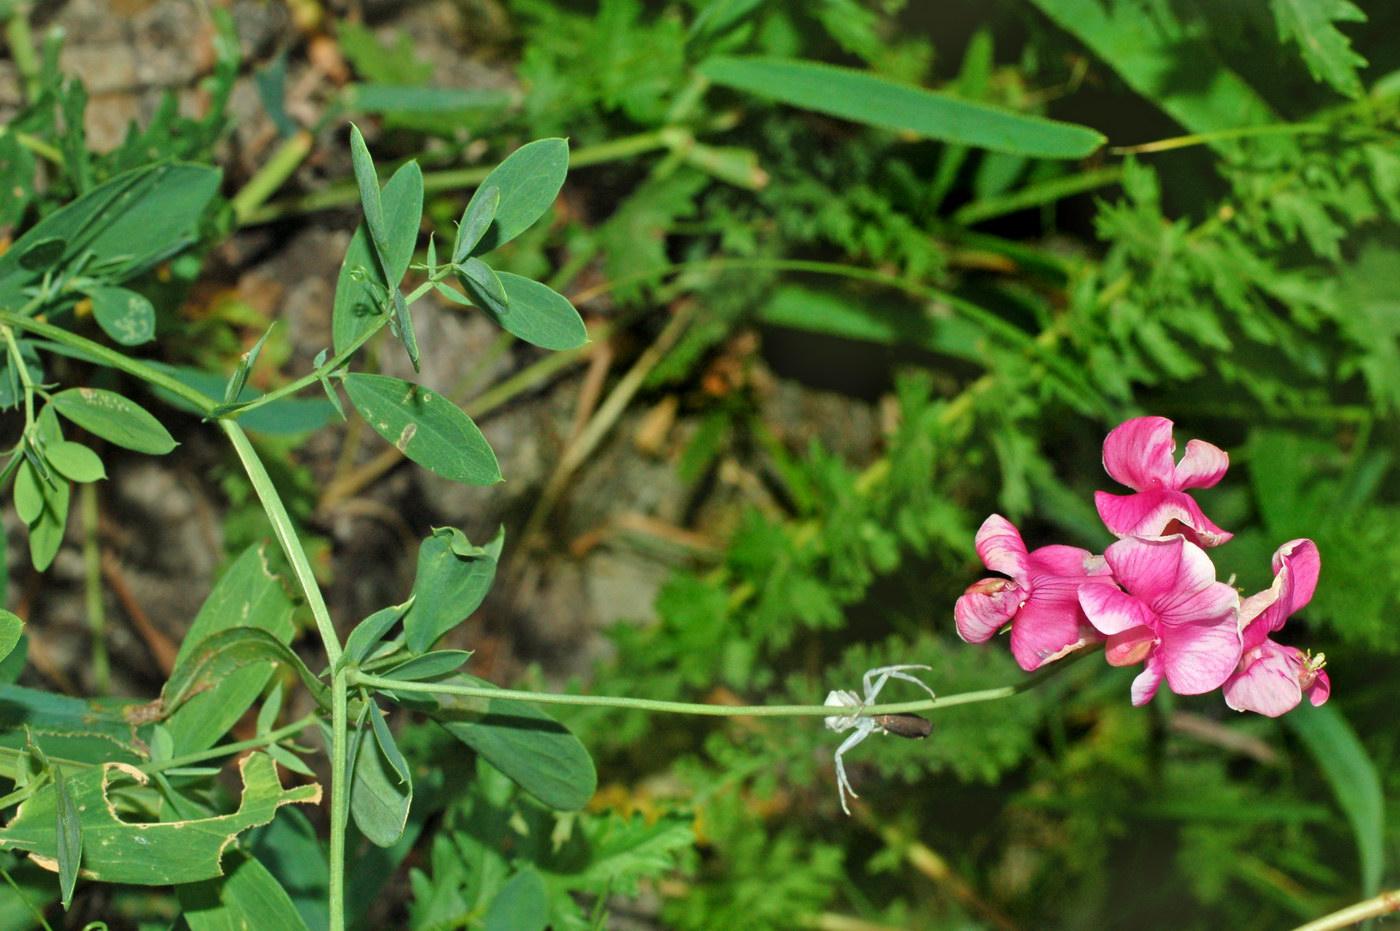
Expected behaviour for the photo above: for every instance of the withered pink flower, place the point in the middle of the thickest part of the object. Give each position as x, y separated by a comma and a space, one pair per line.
1139, 454
1040, 599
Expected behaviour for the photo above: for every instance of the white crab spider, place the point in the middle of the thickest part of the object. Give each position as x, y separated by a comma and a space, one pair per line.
902, 725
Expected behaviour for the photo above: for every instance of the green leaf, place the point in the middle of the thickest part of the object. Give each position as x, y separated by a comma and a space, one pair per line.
1147, 46
46, 532
367, 634
129, 318
362, 292
216, 657
246, 596
370, 196
539, 314
481, 210
115, 419
523, 742
450, 584
74, 461
11, 629
1325, 48
144, 853
283, 416
68, 837
430, 665
528, 181
875, 101
1355, 781
385, 738
239, 378
73, 729
522, 904
398, 99
247, 897
403, 216
481, 282
380, 797
394, 232
425, 427
28, 493
126, 224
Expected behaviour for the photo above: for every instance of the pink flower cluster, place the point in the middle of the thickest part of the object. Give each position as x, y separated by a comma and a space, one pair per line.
1152, 596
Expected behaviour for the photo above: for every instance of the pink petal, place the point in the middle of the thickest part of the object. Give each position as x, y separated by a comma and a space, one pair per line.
1066, 561
1201, 653
1320, 690
1296, 568
1050, 624
1148, 568
1197, 595
1112, 611
1203, 465
1131, 646
1268, 681
1147, 681
1138, 453
1152, 513
1001, 549
986, 607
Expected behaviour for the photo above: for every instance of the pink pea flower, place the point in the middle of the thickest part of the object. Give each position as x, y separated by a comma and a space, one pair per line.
1173, 615
1138, 453
1040, 599
1271, 678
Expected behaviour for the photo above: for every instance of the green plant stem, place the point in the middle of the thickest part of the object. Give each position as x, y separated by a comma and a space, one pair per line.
21, 44
17, 360
330, 365
722, 711
344, 194
271, 175
1037, 195
252, 743
1242, 132
111, 358
92, 587
340, 795
1383, 904
286, 535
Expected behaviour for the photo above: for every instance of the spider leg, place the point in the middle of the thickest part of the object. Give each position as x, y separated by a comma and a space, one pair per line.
864, 726
885, 673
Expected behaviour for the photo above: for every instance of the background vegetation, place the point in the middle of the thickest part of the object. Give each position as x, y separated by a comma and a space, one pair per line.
977, 317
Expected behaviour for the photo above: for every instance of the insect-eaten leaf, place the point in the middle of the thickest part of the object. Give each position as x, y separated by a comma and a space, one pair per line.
425, 427
453, 579
147, 854
523, 742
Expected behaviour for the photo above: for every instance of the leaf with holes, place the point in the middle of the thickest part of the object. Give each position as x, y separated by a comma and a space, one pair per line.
425, 427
